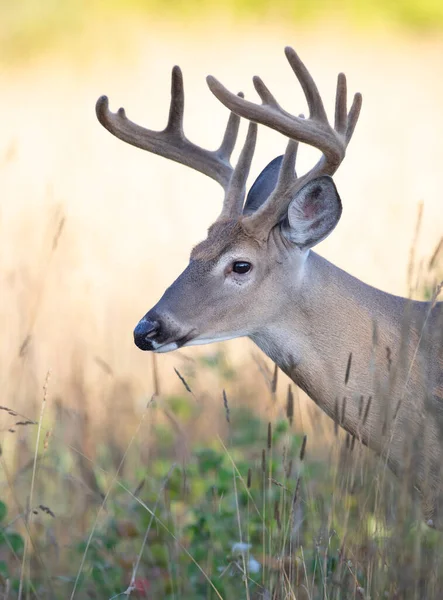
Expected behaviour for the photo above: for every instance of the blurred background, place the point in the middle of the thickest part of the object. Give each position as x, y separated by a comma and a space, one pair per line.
92, 230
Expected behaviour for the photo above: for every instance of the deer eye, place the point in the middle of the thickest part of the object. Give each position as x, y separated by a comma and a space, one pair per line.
241, 267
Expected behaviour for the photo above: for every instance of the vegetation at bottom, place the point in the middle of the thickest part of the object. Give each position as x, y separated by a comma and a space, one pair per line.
257, 510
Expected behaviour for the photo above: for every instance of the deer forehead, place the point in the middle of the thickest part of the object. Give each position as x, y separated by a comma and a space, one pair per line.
223, 237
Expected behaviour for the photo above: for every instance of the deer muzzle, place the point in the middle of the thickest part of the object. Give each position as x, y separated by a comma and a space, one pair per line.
145, 334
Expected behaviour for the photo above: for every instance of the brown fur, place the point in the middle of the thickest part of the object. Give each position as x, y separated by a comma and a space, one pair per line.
222, 235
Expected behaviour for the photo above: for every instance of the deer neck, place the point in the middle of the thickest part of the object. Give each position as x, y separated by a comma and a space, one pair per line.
328, 317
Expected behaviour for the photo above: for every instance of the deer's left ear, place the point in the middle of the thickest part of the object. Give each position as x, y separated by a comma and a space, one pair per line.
313, 213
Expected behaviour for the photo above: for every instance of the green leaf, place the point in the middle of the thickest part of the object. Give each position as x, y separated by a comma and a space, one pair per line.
13, 541
16, 541
3, 510
209, 460
4, 571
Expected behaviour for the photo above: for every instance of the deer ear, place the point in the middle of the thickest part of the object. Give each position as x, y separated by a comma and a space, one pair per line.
263, 186
313, 213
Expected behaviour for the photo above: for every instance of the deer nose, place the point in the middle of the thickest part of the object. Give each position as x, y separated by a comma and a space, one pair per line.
145, 333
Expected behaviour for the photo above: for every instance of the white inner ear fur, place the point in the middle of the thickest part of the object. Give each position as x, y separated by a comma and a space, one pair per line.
313, 213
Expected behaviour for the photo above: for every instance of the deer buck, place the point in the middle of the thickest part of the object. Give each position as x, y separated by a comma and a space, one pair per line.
256, 276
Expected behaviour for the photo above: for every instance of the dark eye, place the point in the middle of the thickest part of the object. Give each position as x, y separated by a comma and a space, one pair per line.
241, 267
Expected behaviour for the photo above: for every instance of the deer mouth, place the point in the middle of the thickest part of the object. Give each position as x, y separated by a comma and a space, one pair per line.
161, 348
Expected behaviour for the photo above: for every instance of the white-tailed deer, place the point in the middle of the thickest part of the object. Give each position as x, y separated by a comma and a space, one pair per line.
256, 276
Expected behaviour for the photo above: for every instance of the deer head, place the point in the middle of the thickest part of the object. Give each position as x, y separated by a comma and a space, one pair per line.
239, 279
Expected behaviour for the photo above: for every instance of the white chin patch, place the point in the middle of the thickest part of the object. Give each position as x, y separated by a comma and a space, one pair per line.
161, 348
200, 341
165, 348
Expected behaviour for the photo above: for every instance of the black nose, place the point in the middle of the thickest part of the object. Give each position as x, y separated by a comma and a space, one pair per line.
145, 333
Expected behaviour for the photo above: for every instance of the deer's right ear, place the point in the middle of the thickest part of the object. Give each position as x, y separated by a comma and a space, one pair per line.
313, 213
263, 186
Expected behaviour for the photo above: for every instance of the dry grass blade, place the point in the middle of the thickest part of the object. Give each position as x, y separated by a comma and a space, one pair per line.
47, 510
367, 409
348, 368
139, 487
155, 374
343, 411
58, 233
226, 405
303, 448
277, 516
352, 443
436, 294
274, 381
295, 495
388, 358
278, 484
336, 417
183, 380
240, 533
104, 365
436, 255
31, 492
290, 405
288, 470
411, 264
186, 385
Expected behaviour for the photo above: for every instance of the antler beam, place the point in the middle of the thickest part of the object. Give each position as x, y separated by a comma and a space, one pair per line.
171, 142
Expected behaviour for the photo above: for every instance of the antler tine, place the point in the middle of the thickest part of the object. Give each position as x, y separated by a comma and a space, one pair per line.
353, 115
341, 111
230, 136
310, 90
177, 106
345, 122
171, 143
263, 91
235, 194
287, 175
